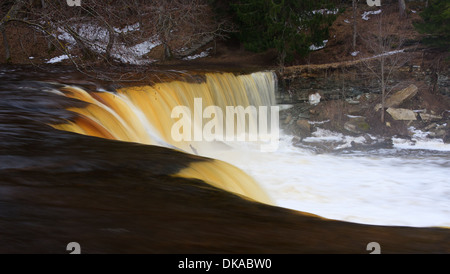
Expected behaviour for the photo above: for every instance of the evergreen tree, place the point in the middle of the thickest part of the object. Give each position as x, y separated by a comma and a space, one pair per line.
290, 26
436, 24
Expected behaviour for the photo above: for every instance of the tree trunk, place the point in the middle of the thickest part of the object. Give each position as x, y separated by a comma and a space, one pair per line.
435, 77
402, 7
383, 89
6, 44
167, 52
111, 41
354, 25
11, 14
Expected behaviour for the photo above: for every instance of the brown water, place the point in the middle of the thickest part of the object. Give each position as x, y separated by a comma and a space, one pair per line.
112, 196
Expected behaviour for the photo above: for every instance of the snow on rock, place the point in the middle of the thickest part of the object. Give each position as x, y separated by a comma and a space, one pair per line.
134, 54
200, 55
314, 98
421, 140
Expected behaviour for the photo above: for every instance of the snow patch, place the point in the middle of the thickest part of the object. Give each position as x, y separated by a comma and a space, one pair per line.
318, 122
97, 38
365, 15
134, 27
420, 140
326, 11
314, 98
317, 47
58, 59
389, 53
200, 55
324, 135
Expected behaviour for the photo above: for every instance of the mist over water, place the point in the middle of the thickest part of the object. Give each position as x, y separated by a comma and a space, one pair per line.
405, 187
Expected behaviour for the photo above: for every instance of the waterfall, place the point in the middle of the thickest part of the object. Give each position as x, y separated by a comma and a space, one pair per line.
194, 115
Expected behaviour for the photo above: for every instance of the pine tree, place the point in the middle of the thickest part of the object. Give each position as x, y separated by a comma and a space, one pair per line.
436, 24
290, 26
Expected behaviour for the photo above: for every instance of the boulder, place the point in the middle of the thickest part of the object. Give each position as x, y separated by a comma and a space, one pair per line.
288, 119
357, 125
402, 114
303, 128
314, 98
429, 117
446, 137
399, 97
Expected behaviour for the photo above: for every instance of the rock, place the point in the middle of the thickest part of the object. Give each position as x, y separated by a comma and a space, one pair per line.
351, 101
314, 98
303, 128
440, 133
402, 114
288, 119
399, 97
430, 126
357, 125
429, 117
436, 131
446, 137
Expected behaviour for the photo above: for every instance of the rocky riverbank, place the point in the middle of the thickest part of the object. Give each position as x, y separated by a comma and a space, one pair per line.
355, 122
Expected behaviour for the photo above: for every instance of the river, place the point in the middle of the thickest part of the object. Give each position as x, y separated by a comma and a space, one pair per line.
62, 183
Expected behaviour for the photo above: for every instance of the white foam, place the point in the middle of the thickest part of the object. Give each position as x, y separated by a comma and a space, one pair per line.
364, 189
324, 135
420, 140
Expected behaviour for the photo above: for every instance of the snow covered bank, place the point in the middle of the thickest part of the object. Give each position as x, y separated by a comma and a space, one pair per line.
96, 38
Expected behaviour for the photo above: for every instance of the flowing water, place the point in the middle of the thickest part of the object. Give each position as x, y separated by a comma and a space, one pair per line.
384, 187
42, 167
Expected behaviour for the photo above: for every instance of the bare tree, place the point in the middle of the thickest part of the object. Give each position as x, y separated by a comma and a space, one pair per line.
355, 11
387, 53
10, 15
185, 25
402, 7
101, 31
